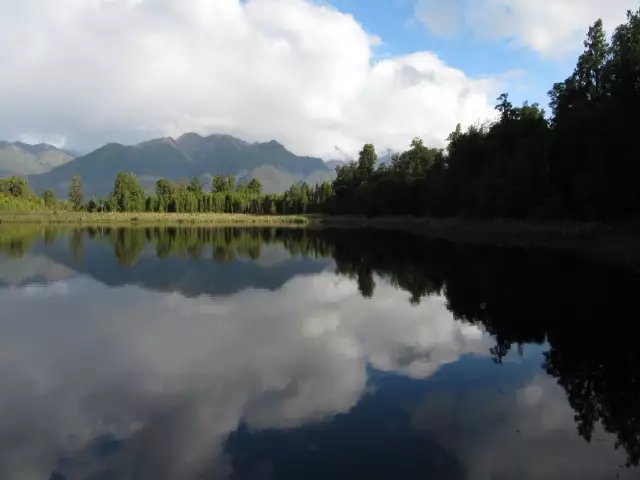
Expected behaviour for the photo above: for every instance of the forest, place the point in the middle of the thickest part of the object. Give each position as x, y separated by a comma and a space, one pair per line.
223, 196
581, 163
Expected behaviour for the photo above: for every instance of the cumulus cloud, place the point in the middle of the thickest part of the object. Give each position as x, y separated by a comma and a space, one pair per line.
91, 71
147, 367
526, 432
549, 27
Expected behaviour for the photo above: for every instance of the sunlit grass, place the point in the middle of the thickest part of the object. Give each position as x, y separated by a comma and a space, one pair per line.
150, 218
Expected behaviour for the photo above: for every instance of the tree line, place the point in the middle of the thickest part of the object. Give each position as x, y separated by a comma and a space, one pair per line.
581, 163
225, 195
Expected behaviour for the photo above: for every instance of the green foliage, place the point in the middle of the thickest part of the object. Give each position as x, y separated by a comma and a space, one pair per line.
9, 203
580, 164
218, 184
195, 187
230, 183
92, 205
76, 192
127, 194
165, 191
17, 196
111, 205
166, 188
49, 198
367, 160
269, 205
189, 197
594, 153
16, 187
254, 187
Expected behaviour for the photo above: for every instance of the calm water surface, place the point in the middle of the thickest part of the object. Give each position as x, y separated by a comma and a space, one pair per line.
292, 354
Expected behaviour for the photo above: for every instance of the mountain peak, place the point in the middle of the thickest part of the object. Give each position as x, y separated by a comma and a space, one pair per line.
188, 156
273, 145
189, 136
36, 149
110, 145
158, 142
19, 158
223, 137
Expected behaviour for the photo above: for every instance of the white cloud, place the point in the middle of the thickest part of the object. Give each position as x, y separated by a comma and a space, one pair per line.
549, 27
528, 433
94, 71
149, 366
442, 18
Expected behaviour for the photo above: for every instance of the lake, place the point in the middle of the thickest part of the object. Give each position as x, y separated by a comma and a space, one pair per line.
198, 353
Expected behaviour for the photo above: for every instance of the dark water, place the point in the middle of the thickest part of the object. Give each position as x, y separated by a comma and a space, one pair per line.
292, 354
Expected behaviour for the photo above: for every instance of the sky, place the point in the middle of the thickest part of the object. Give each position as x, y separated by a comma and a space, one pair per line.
322, 77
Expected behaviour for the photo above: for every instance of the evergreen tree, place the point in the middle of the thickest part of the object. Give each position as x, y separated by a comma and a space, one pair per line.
92, 205
76, 192
49, 198
230, 184
127, 193
367, 160
255, 187
195, 187
218, 184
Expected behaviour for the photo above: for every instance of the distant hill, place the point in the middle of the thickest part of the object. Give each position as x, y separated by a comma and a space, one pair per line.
189, 156
19, 158
332, 164
383, 157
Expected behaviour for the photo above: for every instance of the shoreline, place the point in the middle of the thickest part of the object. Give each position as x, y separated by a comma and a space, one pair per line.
605, 241
144, 218
593, 237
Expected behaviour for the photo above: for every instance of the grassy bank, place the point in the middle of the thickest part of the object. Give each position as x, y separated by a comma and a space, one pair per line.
83, 218
501, 231
447, 228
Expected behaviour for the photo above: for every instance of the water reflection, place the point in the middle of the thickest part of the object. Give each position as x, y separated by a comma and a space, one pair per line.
239, 353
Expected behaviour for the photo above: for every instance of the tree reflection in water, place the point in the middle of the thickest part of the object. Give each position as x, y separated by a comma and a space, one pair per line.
586, 311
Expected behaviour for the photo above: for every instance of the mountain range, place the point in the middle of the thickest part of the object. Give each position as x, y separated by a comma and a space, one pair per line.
188, 156
19, 158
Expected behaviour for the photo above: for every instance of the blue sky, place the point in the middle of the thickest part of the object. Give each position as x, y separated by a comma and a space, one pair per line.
530, 74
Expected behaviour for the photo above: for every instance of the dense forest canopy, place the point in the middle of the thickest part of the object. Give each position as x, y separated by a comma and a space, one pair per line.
581, 163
